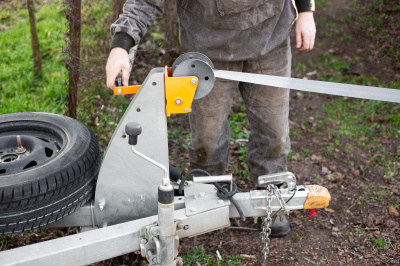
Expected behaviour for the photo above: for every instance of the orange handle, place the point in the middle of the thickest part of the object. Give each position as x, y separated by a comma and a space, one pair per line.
126, 90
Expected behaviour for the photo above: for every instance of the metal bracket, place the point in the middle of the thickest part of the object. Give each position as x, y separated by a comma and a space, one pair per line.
201, 198
149, 244
150, 247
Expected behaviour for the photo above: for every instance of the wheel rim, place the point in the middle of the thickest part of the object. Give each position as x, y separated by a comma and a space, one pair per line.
38, 145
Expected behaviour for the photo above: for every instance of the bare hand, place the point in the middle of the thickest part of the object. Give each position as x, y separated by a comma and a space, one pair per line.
118, 61
305, 31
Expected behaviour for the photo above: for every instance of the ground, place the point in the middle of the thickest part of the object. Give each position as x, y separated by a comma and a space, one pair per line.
363, 225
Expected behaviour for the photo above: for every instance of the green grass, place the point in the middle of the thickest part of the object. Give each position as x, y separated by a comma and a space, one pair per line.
20, 91
198, 256
364, 121
380, 21
381, 242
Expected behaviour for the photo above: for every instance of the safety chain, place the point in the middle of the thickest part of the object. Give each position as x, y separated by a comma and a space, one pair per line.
266, 230
267, 220
280, 199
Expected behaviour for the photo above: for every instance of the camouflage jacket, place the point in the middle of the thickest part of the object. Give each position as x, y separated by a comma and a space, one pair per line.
226, 30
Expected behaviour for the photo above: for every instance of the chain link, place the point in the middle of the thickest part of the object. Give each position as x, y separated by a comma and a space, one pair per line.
266, 230
267, 220
280, 199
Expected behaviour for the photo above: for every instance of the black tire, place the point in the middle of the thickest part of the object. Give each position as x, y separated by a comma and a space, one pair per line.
52, 175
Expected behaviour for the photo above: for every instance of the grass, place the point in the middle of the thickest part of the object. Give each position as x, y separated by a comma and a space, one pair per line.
20, 90
381, 242
310, 261
359, 231
197, 255
366, 122
380, 21
374, 194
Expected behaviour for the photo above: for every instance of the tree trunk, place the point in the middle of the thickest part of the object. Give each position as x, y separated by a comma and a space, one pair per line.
37, 57
74, 20
171, 32
118, 5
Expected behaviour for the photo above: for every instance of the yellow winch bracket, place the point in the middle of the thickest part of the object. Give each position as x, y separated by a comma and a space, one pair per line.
126, 90
179, 93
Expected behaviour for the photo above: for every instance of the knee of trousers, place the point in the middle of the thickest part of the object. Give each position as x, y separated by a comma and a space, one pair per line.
209, 154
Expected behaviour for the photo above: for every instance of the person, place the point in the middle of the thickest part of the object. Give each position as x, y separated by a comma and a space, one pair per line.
250, 36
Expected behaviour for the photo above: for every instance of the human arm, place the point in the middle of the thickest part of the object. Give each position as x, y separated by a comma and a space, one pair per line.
127, 31
305, 25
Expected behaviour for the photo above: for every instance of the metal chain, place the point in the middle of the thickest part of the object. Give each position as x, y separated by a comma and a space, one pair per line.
266, 230
280, 199
267, 220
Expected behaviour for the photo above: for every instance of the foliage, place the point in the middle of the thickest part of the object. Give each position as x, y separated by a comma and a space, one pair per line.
20, 90
380, 21
365, 121
381, 242
198, 256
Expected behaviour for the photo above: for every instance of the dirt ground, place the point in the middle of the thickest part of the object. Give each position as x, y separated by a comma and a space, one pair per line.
345, 239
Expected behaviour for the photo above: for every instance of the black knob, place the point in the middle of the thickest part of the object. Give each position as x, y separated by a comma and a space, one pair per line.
133, 130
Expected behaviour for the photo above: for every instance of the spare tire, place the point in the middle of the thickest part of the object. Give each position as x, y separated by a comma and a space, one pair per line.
51, 173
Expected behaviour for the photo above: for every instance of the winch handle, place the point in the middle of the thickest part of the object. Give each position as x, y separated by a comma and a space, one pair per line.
133, 130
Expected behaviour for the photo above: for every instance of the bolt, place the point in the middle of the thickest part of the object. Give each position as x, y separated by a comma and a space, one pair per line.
178, 101
220, 201
201, 194
102, 203
193, 81
192, 209
20, 149
143, 241
119, 91
185, 110
154, 231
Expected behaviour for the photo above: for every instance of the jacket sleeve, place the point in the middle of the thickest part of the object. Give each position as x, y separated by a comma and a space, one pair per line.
305, 5
132, 24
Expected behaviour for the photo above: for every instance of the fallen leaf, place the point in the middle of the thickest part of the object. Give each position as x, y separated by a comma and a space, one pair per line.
315, 157
329, 210
333, 168
369, 256
393, 211
248, 256
325, 171
366, 179
390, 223
339, 176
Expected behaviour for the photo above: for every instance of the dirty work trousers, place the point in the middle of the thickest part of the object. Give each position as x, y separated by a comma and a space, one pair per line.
267, 109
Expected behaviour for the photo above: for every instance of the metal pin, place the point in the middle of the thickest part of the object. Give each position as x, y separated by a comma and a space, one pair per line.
194, 81
20, 149
119, 91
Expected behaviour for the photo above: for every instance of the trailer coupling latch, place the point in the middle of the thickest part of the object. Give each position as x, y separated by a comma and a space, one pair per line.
150, 247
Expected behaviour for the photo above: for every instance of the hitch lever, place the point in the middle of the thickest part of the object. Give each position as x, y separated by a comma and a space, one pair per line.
285, 177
